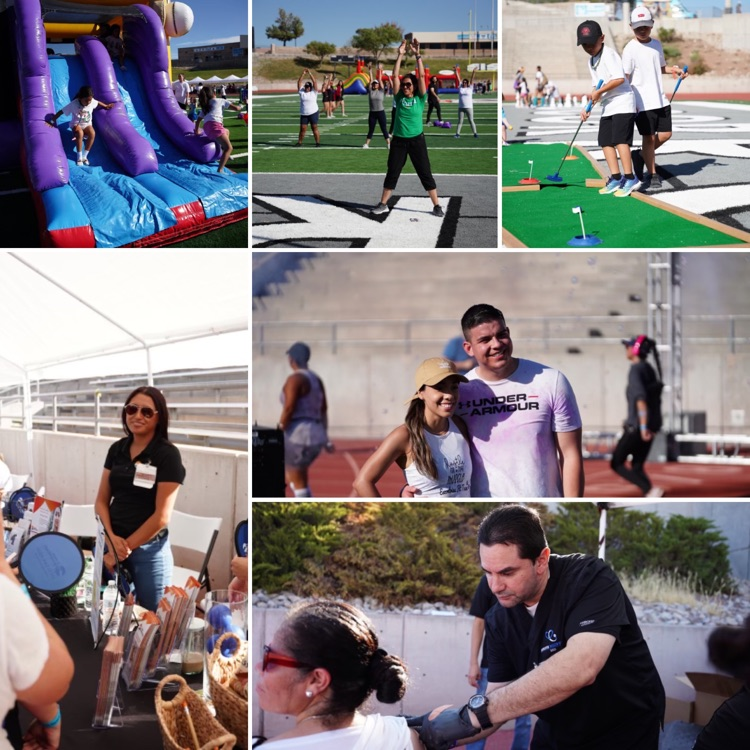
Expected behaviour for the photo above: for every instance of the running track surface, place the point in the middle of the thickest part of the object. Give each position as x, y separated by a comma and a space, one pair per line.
332, 475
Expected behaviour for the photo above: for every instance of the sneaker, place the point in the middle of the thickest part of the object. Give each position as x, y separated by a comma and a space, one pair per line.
317, 145
366, 146
457, 136
343, 115
655, 492
656, 183
476, 135
381, 208
627, 187
79, 162
645, 183
638, 164
437, 210
611, 186
86, 162
297, 144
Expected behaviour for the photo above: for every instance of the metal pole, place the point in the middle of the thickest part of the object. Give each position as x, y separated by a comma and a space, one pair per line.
602, 528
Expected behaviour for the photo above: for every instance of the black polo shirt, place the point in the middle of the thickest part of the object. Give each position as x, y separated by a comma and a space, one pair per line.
131, 506
729, 728
624, 706
484, 600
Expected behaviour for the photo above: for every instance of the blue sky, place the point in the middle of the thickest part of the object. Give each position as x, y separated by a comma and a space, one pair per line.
215, 22
336, 21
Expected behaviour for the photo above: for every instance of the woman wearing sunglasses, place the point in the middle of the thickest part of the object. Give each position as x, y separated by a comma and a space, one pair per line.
142, 476
320, 668
410, 97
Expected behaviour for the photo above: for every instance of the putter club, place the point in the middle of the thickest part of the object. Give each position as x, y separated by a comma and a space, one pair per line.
679, 81
556, 176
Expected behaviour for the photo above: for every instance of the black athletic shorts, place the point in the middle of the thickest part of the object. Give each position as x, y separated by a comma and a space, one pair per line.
309, 119
654, 121
617, 129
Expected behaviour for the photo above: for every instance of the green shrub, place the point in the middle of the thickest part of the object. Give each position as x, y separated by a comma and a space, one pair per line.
667, 35
288, 534
672, 53
697, 66
690, 548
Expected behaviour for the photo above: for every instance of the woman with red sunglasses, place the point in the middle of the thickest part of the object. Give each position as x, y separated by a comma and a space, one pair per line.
321, 666
142, 476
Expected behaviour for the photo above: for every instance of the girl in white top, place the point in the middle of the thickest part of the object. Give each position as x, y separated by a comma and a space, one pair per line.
212, 114
432, 446
466, 104
320, 667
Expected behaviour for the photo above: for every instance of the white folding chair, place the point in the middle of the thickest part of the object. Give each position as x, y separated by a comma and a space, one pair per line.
78, 520
198, 533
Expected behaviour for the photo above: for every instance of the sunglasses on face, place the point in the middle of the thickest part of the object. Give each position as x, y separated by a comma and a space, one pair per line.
406, 85
147, 412
273, 657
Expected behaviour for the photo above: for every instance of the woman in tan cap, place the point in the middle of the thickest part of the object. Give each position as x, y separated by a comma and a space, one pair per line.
432, 446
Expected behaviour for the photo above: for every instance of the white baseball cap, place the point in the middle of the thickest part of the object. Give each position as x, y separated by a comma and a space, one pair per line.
641, 16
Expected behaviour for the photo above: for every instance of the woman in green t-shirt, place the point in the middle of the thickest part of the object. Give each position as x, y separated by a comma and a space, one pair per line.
410, 96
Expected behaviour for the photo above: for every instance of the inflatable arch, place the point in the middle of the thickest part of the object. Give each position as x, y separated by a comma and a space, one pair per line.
151, 181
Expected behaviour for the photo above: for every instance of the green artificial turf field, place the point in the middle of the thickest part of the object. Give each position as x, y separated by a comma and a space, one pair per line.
276, 128
545, 217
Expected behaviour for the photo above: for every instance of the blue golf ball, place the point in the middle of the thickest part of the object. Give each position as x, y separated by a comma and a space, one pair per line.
219, 615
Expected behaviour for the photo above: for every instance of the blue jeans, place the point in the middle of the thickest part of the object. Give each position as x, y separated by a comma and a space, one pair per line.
150, 567
522, 732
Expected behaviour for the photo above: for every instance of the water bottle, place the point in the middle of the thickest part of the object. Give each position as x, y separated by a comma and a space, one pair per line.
109, 609
88, 584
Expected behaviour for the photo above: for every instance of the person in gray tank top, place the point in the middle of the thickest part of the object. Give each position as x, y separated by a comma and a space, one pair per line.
376, 95
304, 419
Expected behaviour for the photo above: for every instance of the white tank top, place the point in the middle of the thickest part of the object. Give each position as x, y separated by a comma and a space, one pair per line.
452, 457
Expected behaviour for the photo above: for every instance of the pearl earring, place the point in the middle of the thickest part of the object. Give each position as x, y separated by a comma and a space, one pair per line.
309, 693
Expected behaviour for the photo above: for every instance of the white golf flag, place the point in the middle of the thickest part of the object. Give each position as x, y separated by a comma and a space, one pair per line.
576, 209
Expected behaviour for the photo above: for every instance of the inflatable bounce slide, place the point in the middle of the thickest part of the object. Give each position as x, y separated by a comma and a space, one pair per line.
151, 180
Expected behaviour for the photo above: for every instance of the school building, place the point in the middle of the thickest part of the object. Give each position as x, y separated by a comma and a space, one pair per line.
227, 54
456, 43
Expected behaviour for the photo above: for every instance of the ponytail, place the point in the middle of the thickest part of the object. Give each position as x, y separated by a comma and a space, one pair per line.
420, 448
652, 348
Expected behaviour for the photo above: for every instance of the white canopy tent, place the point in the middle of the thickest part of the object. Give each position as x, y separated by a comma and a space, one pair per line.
72, 314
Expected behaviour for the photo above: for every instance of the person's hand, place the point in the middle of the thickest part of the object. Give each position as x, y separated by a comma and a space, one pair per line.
121, 547
415, 46
329, 447
584, 115
646, 435
596, 95
441, 730
474, 675
402, 48
109, 561
305, 71
410, 491
38, 737
239, 567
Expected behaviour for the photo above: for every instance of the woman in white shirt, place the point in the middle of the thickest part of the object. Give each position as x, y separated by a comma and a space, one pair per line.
466, 104
432, 446
321, 666
35, 666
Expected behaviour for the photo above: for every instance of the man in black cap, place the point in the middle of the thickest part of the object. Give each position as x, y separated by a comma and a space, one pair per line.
304, 419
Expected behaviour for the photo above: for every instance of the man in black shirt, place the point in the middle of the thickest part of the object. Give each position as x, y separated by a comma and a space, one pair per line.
563, 644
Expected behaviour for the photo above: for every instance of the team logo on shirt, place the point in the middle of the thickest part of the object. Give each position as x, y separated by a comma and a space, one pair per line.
584, 623
553, 643
498, 405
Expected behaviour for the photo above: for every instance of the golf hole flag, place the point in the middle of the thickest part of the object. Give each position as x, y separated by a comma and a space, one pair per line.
576, 209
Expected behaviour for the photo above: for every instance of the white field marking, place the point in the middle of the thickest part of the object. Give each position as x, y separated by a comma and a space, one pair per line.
238, 156
369, 174
352, 463
705, 200
325, 221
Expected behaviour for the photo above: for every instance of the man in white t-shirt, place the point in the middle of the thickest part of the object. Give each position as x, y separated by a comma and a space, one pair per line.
308, 107
644, 64
522, 416
618, 109
181, 91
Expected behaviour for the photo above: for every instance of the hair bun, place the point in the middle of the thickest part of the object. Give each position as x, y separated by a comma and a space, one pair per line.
387, 675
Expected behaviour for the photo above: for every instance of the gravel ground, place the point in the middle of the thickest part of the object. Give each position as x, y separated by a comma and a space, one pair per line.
715, 610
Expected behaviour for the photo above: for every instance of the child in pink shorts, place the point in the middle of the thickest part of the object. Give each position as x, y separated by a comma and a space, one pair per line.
212, 115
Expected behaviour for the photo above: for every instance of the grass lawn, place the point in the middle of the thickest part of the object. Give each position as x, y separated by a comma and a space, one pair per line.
276, 128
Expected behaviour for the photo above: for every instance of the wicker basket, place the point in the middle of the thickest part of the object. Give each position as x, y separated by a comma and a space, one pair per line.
231, 708
173, 723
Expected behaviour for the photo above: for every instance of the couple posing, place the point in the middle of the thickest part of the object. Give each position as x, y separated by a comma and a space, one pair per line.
510, 428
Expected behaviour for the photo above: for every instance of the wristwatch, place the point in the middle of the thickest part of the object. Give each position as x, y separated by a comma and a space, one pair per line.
479, 705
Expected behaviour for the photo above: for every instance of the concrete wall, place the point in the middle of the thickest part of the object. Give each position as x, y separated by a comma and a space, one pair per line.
69, 467
436, 650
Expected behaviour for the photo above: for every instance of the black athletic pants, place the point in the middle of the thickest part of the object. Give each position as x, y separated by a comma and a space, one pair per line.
631, 444
379, 118
430, 105
416, 150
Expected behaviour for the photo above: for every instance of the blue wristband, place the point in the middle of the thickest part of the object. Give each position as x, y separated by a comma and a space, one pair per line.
54, 722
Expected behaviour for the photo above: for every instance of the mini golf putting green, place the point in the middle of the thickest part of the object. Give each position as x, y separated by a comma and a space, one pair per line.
542, 216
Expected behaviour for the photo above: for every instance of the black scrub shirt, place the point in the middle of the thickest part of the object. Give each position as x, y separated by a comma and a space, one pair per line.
131, 506
729, 728
624, 706
484, 600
